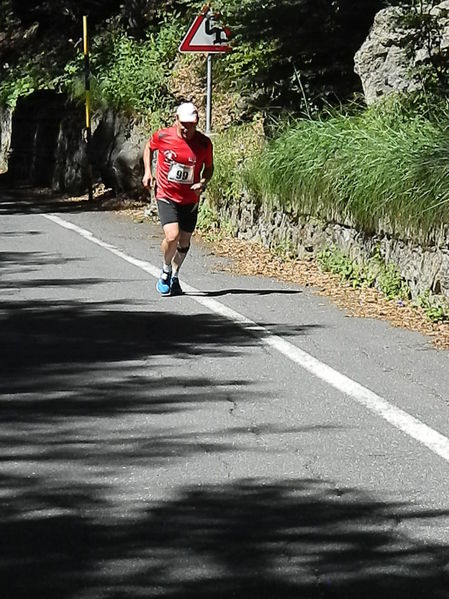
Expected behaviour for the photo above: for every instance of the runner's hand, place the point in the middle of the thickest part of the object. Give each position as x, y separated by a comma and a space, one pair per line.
148, 182
198, 188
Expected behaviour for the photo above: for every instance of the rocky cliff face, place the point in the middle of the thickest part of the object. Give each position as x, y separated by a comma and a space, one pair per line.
42, 142
390, 56
5, 137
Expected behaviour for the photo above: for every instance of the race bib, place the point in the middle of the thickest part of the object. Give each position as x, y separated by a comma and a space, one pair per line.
180, 173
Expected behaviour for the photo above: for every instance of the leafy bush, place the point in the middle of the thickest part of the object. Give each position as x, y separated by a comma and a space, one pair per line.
22, 79
436, 309
132, 75
16, 84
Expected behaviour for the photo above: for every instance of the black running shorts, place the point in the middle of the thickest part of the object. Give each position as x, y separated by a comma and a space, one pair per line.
185, 215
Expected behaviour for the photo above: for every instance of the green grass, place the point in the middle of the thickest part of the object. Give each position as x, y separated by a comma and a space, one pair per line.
384, 168
234, 149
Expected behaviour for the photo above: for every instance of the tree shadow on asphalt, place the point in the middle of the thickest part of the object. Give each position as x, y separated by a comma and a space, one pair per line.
27, 261
64, 366
82, 388
41, 334
245, 539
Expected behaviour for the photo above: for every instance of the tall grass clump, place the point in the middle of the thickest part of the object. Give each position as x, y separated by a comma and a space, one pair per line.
385, 167
234, 149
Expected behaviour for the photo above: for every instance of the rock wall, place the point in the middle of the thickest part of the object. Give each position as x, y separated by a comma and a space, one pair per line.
117, 148
44, 142
115, 153
5, 137
423, 268
385, 63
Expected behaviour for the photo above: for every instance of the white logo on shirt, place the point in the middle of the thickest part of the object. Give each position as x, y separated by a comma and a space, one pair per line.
169, 155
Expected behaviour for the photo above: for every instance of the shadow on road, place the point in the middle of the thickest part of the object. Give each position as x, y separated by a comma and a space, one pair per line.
236, 291
62, 363
77, 416
83, 389
245, 539
38, 334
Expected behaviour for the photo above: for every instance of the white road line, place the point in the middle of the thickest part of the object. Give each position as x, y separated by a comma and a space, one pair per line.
400, 419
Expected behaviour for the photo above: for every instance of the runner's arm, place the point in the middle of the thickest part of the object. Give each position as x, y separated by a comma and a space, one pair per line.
147, 180
206, 176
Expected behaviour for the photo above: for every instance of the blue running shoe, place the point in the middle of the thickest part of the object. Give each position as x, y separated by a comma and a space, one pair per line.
163, 283
175, 287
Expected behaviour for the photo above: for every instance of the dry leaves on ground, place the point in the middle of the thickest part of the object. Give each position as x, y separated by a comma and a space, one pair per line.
253, 259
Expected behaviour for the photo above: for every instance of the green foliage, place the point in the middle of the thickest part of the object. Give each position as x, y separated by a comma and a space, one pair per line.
233, 150
23, 79
210, 223
370, 273
390, 282
131, 75
284, 248
436, 310
13, 87
245, 63
378, 168
207, 217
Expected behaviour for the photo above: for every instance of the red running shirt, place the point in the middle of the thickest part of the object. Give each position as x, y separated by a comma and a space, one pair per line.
179, 164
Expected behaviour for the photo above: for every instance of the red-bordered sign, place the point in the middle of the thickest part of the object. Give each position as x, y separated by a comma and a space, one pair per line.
206, 35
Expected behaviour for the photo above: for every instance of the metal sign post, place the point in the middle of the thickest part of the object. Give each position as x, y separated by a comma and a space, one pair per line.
209, 94
205, 35
88, 119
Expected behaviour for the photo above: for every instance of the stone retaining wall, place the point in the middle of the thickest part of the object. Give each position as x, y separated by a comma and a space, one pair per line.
423, 268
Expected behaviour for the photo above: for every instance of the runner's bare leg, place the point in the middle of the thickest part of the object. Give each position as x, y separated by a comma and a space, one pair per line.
170, 242
178, 258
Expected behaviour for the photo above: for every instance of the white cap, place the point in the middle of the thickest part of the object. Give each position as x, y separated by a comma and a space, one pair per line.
187, 113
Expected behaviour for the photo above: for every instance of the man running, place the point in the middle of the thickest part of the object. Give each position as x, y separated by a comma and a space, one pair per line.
183, 169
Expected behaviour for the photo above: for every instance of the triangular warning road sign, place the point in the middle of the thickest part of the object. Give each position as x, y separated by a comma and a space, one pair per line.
206, 35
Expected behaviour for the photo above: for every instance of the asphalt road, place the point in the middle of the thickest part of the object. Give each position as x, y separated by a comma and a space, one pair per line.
245, 440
